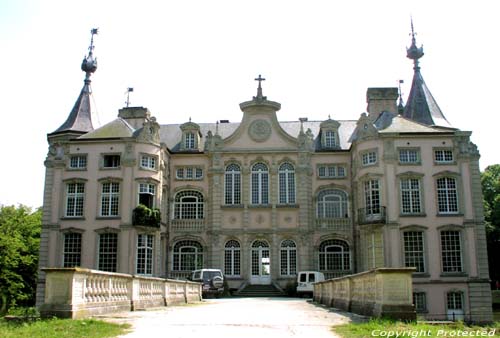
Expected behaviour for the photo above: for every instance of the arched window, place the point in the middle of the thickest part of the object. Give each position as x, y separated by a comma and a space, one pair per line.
232, 184
232, 255
332, 203
288, 258
188, 205
334, 255
260, 184
286, 174
188, 256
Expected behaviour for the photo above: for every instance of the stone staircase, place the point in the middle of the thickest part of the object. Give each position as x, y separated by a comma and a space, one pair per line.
260, 291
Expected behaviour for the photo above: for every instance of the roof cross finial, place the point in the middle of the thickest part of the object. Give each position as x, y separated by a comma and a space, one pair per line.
259, 89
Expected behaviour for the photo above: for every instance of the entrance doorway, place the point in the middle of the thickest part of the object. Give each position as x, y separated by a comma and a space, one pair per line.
261, 263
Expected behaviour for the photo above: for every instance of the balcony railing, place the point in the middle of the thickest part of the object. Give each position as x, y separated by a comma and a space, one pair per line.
376, 215
187, 224
144, 216
336, 224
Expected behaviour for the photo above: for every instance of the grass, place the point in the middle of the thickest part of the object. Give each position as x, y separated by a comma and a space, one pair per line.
61, 328
384, 328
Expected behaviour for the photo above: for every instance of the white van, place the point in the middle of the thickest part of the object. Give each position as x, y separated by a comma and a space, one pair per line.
305, 280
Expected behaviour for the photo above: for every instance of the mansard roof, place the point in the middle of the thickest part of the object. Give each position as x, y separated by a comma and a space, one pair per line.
171, 134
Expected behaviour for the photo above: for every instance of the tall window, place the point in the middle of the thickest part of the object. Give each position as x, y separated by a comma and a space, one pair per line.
330, 141
188, 256
147, 194
288, 258
332, 203
410, 196
190, 141
454, 300
420, 302
188, 205
232, 184
74, 199
334, 255
110, 197
447, 195
232, 255
372, 197
108, 251
286, 174
451, 251
72, 251
144, 262
260, 184
414, 250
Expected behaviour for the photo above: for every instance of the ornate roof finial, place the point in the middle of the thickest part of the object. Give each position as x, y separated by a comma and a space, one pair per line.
259, 89
414, 52
89, 63
217, 128
190, 119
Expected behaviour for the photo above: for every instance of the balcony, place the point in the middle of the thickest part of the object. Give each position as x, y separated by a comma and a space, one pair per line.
187, 224
335, 224
372, 215
144, 216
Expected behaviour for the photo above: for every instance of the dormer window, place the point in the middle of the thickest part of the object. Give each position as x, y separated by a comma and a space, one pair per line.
329, 134
189, 141
191, 136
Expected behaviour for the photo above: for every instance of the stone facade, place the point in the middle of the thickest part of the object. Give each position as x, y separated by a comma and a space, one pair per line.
262, 199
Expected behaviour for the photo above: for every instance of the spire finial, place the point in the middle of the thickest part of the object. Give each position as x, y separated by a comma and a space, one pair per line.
414, 52
89, 63
217, 128
259, 89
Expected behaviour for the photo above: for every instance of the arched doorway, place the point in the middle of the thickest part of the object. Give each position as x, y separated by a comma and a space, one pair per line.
260, 263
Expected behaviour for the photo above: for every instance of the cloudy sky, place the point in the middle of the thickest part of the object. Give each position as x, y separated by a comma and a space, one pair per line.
198, 59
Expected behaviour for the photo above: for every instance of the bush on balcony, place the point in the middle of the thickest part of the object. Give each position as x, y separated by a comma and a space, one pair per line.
142, 215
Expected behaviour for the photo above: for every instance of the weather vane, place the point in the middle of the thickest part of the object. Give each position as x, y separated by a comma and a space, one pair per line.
129, 90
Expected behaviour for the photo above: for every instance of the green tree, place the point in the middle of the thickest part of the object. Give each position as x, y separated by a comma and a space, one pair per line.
490, 181
19, 246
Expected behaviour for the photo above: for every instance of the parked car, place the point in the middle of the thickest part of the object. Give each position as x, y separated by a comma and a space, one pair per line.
212, 280
305, 280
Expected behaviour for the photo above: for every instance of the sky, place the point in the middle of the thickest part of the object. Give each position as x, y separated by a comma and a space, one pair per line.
198, 59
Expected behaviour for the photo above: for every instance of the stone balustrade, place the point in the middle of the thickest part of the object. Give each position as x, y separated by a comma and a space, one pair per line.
80, 293
382, 292
187, 224
334, 224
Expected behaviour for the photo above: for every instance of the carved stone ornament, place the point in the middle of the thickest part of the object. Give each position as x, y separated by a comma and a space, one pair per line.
259, 130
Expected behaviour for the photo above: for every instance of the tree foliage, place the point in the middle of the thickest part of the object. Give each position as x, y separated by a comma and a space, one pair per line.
490, 181
19, 246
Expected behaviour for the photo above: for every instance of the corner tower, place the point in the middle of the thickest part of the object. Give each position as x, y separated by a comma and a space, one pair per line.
421, 106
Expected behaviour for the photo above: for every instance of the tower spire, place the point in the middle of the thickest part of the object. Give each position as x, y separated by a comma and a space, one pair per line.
421, 105
80, 118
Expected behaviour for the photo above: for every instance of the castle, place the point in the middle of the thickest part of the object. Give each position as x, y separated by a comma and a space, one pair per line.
262, 199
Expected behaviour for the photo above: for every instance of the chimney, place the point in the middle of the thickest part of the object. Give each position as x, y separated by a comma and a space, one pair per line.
135, 116
381, 99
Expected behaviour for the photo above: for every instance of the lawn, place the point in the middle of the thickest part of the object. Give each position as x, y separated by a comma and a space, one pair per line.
392, 329
61, 328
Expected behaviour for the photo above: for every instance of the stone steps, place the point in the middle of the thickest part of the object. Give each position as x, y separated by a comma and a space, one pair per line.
260, 291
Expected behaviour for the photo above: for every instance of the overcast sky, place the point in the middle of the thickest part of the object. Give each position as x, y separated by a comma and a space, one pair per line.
198, 59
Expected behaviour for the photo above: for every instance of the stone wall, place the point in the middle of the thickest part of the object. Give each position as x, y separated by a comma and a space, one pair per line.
80, 293
383, 292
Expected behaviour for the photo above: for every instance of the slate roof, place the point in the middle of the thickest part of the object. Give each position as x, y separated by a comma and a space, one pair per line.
79, 119
421, 105
392, 123
115, 129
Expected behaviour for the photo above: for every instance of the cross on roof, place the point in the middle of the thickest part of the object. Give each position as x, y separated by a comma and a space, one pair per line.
260, 79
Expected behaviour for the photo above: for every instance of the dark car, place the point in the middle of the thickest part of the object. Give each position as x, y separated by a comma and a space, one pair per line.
212, 279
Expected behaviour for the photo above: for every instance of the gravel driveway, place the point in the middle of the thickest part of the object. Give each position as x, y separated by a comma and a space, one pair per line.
236, 317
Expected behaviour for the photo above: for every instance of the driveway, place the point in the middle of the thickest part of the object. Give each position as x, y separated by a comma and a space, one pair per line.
236, 317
